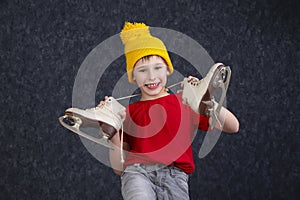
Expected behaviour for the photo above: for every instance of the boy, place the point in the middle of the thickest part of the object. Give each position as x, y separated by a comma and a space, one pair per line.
158, 129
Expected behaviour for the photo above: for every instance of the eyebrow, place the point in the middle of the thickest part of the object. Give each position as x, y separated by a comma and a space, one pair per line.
155, 64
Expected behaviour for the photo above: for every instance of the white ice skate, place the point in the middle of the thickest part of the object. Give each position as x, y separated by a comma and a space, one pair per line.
203, 91
107, 113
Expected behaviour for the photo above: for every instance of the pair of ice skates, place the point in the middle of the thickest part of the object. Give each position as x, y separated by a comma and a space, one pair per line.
199, 95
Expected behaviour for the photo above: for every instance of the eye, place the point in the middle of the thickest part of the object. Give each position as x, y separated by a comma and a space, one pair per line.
159, 67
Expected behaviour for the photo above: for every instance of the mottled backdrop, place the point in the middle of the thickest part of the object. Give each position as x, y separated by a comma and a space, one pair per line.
43, 44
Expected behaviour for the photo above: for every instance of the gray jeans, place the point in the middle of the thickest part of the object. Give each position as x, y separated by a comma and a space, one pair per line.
150, 182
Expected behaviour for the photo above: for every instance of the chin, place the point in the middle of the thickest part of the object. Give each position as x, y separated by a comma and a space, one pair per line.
156, 93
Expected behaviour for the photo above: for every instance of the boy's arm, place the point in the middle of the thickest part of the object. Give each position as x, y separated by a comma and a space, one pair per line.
227, 121
115, 155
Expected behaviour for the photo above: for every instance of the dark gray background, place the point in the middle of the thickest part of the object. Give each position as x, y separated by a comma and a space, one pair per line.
43, 44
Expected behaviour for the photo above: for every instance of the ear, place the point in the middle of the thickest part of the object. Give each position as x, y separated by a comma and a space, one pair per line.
168, 72
132, 75
134, 80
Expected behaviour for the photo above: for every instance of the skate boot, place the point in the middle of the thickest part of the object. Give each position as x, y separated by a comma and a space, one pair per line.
199, 95
105, 116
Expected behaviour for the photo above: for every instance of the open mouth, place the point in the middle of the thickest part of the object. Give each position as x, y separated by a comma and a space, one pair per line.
152, 85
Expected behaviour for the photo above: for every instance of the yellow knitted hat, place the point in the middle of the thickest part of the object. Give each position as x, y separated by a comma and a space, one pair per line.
138, 43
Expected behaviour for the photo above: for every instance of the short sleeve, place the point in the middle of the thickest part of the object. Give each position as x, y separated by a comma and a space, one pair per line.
203, 122
199, 120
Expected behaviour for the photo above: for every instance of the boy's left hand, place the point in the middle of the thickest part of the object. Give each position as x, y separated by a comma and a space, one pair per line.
189, 79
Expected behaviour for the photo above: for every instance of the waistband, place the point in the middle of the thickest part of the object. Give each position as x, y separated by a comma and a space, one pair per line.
152, 167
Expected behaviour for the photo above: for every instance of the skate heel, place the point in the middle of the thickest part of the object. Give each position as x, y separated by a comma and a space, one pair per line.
106, 118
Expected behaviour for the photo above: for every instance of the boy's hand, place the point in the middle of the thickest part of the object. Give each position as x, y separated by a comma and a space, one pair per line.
102, 102
106, 128
189, 79
192, 79
206, 102
121, 113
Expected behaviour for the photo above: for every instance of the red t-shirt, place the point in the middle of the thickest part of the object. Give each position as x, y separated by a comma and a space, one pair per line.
161, 131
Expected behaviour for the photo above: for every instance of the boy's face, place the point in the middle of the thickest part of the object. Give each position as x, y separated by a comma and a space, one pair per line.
150, 74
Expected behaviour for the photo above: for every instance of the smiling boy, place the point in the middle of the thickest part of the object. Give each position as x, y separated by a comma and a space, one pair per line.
159, 128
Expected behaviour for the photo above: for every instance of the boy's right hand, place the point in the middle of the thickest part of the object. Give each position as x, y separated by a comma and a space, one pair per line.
106, 128
121, 113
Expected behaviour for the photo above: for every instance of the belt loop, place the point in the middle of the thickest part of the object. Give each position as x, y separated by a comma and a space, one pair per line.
136, 164
172, 171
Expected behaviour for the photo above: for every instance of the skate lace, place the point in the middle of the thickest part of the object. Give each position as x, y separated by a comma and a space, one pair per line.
115, 116
121, 150
214, 116
106, 107
135, 95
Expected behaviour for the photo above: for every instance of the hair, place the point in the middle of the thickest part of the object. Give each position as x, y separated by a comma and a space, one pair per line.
147, 58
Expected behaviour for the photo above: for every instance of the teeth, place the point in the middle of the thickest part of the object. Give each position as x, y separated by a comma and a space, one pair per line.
152, 84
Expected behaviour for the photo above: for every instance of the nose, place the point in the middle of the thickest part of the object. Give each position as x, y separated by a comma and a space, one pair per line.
151, 74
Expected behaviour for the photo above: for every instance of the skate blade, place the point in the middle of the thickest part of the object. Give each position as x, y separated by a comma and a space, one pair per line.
221, 76
73, 124
220, 80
